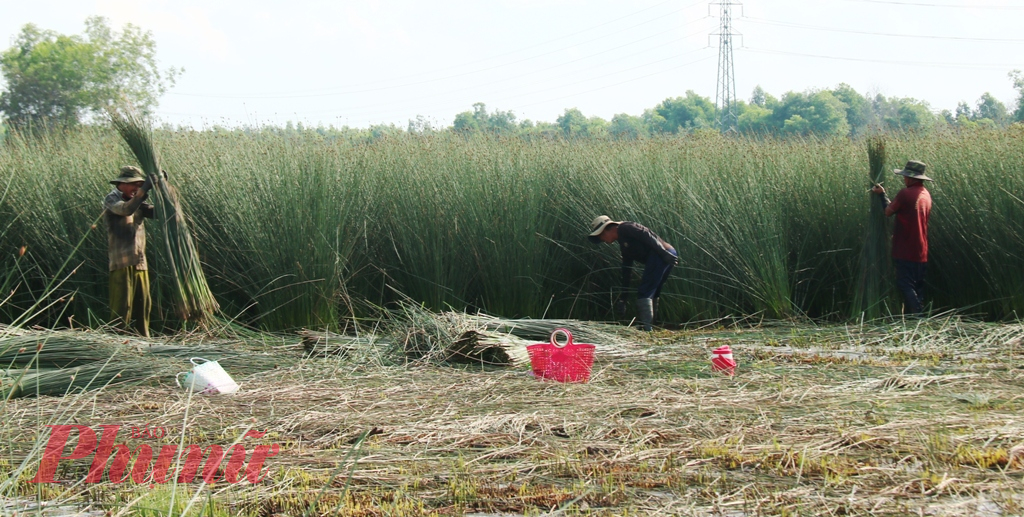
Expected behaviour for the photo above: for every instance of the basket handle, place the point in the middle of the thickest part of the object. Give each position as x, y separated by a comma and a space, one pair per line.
554, 337
193, 361
176, 378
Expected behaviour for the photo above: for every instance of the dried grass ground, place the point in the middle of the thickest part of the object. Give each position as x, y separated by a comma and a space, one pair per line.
918, 418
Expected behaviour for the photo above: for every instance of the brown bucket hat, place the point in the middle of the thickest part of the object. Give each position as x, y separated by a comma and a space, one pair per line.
913, 170
129, 174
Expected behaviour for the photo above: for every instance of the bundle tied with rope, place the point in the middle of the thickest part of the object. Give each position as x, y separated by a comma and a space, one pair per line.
195, 302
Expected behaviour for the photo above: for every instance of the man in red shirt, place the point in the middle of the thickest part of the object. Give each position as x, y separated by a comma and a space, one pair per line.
912, 207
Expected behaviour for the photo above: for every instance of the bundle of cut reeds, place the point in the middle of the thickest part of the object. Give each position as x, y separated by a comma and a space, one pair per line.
56, 362
874, 262
195, 300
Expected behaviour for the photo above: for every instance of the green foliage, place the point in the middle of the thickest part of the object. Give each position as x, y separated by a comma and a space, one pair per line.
816, 112
840, 111
904, 114
1018, 83
575, 125
499, 122
858, 109
59, 80
627, 127
682, 113
990, 108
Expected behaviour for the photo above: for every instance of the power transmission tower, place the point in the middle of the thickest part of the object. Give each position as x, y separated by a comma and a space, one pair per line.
725, 94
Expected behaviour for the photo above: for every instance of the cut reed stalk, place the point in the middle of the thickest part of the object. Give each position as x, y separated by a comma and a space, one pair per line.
874, 260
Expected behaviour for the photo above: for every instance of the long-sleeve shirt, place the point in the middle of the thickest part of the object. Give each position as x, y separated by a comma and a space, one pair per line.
912, 207
637, 242
126, 237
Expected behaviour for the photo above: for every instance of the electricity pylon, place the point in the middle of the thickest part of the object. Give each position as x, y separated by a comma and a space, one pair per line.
725, 94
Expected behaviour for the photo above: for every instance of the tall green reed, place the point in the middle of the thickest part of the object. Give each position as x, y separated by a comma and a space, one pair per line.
299, 230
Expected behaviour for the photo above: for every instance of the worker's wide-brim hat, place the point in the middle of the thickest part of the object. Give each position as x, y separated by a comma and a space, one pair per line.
129, 174
598, 225
913, 170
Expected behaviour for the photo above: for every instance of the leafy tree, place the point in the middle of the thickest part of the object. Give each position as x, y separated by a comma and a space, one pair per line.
755, 119
990, 108
54, 79
758, 97
1018, 83
465, 122
904, 114
421, 125
858, 109
683, 114
575, 125
382, 131
572, 122
963, 111
815, 112
626, 127
469, 121
479, 120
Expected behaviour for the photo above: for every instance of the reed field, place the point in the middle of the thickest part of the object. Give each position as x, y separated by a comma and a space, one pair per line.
304, 231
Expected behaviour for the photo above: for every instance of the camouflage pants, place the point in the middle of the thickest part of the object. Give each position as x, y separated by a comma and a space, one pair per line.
130, 301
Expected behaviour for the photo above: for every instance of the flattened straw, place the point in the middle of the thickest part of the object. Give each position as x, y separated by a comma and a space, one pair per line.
195, 300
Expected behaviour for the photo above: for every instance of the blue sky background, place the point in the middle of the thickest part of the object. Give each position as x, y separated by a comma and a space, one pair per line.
368, 62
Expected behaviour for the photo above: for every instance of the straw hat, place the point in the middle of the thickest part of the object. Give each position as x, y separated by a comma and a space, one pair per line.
913, 170
599, 224
129, 174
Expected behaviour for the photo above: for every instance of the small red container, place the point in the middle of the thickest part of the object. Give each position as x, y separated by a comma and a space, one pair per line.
722, 361
562, 362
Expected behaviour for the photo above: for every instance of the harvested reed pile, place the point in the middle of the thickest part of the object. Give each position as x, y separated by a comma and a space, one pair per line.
410, 332
65, 361
195, 300
449, 337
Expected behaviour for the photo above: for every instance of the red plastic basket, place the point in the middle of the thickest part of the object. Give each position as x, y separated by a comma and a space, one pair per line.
568, 362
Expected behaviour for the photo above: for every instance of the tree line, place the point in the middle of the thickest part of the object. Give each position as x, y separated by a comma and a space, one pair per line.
840, 111
59, 81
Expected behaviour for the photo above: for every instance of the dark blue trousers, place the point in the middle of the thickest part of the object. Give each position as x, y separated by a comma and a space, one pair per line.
656, 271
910, 282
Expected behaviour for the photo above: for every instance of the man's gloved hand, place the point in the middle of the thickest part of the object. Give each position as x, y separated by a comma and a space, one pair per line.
620, 306
147, 185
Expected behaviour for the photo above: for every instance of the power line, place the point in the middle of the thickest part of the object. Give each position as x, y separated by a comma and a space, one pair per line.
586, 80
309, 93
980, 66
873, 33
461, 104
955, 6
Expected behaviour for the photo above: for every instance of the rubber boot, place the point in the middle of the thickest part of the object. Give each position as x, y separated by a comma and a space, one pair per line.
654, 311
645, 312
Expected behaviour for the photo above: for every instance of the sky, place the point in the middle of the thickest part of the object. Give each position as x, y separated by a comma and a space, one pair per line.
359, 63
